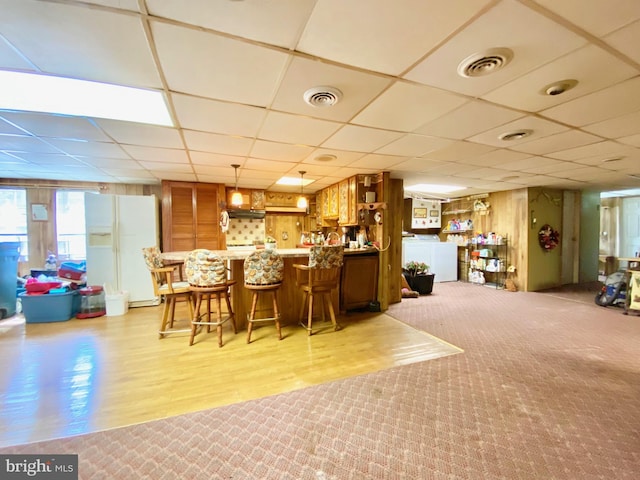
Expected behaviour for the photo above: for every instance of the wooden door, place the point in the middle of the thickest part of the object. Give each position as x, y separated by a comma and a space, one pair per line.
191, 215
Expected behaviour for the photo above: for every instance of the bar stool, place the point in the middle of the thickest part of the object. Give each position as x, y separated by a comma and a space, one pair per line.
166, 289
320, 277
207, 276
263, 272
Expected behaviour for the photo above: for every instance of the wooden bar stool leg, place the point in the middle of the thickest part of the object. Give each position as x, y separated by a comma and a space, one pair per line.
196, 316
303, 305
165, 317
232, 316
172, 315
276, 313
332, 314
310, 314
208, 298
252, 315
219, 318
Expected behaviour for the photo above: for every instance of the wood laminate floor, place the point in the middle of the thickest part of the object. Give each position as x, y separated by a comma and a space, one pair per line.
67, 378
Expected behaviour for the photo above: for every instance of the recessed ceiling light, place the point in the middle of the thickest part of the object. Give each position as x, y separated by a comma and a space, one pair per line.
516, 135
560, 87
322, 96
326, 158
433, 188
297, 181
68, 96
485, 63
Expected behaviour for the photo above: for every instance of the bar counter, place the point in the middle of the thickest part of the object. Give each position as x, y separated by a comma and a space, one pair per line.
289, 296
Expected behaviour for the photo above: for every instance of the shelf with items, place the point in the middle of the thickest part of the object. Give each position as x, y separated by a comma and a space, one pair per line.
484, 263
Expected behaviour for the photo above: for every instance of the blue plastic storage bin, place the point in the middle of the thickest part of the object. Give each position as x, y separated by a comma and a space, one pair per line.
9, 254
50, 307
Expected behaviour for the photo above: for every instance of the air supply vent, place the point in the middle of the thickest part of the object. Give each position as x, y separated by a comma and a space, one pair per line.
322, 96
517, 135
485, 63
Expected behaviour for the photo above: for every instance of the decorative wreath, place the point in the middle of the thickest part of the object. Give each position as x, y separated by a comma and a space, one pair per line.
548, 238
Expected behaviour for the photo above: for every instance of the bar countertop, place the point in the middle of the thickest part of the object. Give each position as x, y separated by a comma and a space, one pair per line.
174, 257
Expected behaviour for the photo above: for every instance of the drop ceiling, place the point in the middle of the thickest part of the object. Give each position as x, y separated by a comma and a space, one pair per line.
234, 74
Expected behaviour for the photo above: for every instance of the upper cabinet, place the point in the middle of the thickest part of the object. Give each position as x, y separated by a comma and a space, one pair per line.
191, 216
330, 207
348, 201
251, 199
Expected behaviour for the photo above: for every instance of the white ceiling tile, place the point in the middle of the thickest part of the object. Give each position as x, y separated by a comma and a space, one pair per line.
598, 17
360, 139
268, 166
343, 157
218, 117
417, 165
545, 166
627, 39
89, 149
591, 66
156, 167
631, 140
557, 142
55, 126
495, 158
114, 163
509, 24
8, 129
281, 127
210, 142
618, 127
124, 4
463, 122
540, 128
485, 173
529, 164
152, 154
72, 41
458, 151
360, 30
358, 89
414, 145
35, 145
620, 99
405, 107
218, 67
208, 158
132, 173
277, 23
140, 134
599, 149
279, 151
380, 162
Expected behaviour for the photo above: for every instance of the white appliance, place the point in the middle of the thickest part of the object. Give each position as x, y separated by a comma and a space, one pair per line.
425, 213
442, 257
118, 227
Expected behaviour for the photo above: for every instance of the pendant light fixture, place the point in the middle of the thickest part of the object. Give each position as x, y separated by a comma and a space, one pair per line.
236, 196
302, 200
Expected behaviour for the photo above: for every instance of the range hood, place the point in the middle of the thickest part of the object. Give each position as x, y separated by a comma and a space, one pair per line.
241, 213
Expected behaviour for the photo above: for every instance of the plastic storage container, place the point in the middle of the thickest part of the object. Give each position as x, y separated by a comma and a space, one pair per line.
92, 302
117, 304
50, 307
9, 254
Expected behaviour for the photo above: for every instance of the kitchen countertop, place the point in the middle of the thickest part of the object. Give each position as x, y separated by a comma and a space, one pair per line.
242, 254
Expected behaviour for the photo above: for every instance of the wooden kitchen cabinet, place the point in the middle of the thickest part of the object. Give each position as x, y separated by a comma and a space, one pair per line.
251, 199
348, 202
330, 202
191, 216
359, 281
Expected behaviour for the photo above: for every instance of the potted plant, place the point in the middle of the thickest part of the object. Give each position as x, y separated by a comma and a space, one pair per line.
418, 277
269, 243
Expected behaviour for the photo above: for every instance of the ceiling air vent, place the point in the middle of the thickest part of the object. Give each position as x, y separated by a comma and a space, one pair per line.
517, 135
484, 63
322, 96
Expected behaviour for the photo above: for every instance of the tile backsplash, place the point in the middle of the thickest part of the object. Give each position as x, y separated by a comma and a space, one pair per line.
244, 231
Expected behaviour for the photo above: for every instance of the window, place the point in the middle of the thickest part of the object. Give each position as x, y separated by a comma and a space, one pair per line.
70, 225
13, 211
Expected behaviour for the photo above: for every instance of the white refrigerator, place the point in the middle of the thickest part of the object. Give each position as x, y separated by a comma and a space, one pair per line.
118, 227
